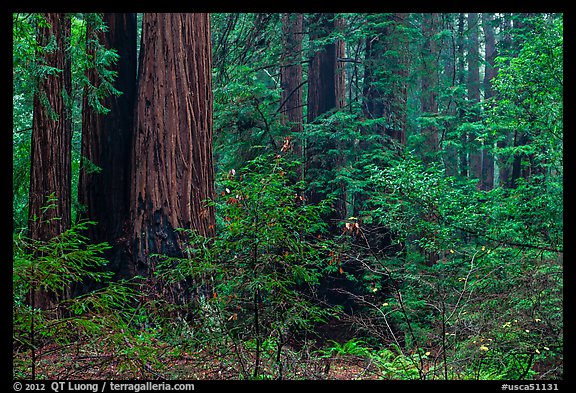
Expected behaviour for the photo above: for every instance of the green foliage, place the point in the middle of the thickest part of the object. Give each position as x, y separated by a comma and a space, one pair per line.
28, 69
353, 347
55, 268
247, 111
263, 265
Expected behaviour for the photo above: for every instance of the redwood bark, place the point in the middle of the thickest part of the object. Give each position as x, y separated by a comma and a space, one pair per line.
107, 140
172, 173
487, 179
50, 169
325, 89
473, 87
429, 83
291, 74
464, 162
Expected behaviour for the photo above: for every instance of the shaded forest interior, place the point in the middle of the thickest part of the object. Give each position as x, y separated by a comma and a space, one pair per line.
288, 196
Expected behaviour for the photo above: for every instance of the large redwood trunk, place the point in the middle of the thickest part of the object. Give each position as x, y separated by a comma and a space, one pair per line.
107, 141
172, 173
51, 170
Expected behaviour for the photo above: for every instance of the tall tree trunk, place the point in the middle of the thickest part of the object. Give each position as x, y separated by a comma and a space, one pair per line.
172, 172
428, 102
520, 169
487, 179
323, 95
505, 139
464, 161
326, 92
340, 71
385, 98
107, 141
473, 87
51, 168
450, 72
291, 105
429, 83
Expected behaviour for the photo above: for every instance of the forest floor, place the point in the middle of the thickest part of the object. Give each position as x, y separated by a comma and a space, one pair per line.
57, 362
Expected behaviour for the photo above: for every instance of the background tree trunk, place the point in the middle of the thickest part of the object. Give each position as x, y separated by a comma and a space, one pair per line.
107, 141
326, 92
473, 87
322, 87
51, 165
429, 83
487, 179
388, 102
464, 161
172, 172
291, 105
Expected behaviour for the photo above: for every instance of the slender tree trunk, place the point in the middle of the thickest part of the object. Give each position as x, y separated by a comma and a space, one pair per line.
291, 105
322, 86
340, 71
429, 83
464, 162
107, 141
521, 166
473, 85
386, 98
450, 68
487, 179
326, 92
172, 172
505, 139
51, 168
428, 102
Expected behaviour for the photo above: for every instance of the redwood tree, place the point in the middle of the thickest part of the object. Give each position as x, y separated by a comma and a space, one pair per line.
107, 137
51, 168
473, 88
385, 73
172, 173
429, 84
487, 179
325, 88
326, 92
291, 71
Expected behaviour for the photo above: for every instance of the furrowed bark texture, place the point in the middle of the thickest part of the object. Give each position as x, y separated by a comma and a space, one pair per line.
51, 169
172, 162
325, 87
291, 72
107, 141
